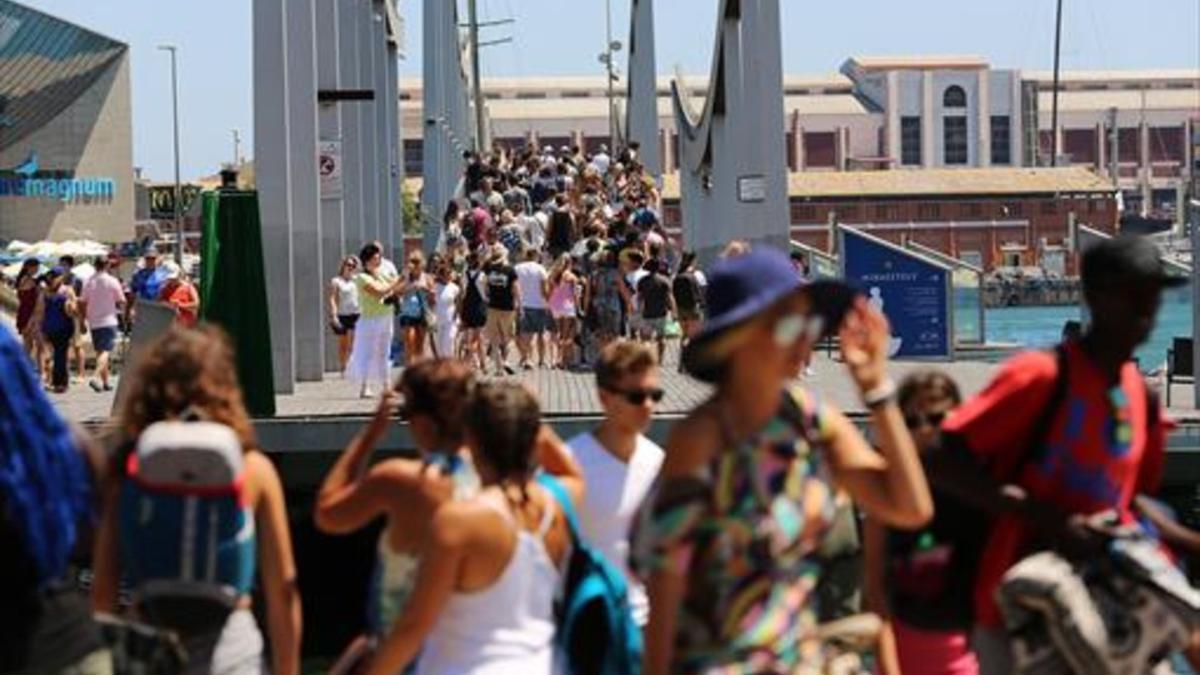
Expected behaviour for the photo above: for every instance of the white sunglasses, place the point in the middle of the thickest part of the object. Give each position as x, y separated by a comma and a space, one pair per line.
788, 329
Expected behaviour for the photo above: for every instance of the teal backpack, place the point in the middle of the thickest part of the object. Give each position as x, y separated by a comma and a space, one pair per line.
596, 631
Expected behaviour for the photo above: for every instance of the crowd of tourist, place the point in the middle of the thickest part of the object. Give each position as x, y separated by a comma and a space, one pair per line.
543, 258
716, 551
57, 310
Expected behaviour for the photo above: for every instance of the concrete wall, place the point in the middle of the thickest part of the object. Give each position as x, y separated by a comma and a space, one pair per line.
93, 139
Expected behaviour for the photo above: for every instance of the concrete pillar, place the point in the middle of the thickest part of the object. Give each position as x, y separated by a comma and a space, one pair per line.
349, 49
892, 123
1016, 123
1101, 148
272, 166
842, 149
1059, 144
797, 164
1188, 149
333, 226
641, 116
668, 144
983, 147
928, 123
1144, 164
801, 160
368, 122
394, 171
380, 171
308, 296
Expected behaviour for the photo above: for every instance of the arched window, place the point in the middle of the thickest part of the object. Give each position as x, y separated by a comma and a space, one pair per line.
954, 97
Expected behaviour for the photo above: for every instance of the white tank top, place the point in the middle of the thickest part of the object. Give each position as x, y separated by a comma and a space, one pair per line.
347, 296
508, 627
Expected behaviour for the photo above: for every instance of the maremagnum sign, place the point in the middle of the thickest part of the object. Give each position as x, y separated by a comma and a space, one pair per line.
913, 291
25, 180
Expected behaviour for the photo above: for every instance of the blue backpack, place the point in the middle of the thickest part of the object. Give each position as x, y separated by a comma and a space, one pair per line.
596, 631
186, 532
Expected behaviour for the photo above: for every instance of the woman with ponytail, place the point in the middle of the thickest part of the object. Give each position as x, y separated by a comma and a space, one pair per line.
484, 596
45, 505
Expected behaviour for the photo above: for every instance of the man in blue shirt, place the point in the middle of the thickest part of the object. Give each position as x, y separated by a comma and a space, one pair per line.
147, 282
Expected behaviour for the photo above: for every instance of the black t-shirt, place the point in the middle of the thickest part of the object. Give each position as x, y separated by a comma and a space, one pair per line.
40, 631
500, 282
931, 572
654, 292
562, 230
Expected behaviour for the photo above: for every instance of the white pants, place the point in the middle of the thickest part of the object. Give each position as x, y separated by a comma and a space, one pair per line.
369, 360
443, 339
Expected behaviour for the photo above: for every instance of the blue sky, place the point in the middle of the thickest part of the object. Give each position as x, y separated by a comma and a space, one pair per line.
563, 37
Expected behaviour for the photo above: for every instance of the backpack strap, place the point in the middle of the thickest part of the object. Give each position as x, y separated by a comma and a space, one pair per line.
1035, 445
555, 488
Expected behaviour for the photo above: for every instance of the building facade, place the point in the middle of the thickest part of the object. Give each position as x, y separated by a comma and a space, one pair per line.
66, 150
915, 113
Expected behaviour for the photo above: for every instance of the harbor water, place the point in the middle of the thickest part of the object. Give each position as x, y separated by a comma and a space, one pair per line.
1041, 327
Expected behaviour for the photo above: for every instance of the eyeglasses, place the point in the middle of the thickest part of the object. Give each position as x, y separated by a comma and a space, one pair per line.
918, 420
790, 328
640, 396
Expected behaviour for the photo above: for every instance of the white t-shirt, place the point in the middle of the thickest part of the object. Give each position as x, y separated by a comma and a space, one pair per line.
102, 293
531, 275
615, 492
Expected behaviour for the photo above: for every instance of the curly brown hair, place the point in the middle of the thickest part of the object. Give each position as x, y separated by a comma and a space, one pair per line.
187, 369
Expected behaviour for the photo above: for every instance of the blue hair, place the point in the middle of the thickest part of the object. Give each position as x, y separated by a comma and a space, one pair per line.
45, 488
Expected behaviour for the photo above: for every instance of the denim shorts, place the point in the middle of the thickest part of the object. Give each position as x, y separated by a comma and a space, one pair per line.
103, 339
535, 321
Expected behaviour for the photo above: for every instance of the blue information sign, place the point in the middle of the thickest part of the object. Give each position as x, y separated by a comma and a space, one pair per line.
911, 290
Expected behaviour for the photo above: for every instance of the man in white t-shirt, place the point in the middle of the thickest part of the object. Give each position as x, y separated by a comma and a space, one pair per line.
619, 464
103, 300
535, 320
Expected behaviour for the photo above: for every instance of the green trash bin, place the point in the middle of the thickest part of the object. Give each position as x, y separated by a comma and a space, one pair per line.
233, 290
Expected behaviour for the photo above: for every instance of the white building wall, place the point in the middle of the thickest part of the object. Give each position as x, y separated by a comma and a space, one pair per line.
92, 137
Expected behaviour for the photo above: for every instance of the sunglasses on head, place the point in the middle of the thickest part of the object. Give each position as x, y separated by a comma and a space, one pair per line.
918, 420
639, 396
791, 327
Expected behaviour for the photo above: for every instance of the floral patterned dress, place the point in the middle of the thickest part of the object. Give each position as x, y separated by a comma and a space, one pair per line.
744, 531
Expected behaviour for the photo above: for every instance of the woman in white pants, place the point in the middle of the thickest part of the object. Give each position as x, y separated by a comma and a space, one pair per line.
369, 360
447, 294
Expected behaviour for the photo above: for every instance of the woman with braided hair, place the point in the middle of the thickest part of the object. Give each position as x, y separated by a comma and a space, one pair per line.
484, 594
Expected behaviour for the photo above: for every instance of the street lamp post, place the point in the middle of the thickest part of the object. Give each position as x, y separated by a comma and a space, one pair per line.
606, 58
178, 188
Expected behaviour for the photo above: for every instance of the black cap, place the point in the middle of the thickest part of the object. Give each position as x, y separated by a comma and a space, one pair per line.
1127, 259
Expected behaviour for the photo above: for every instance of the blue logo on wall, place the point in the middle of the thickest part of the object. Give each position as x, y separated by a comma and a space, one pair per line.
26, 183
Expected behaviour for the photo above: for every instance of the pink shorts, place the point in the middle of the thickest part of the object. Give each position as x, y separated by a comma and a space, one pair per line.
923, 652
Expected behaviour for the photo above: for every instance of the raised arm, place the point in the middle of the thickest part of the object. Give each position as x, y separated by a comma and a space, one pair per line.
351, 494
890, 485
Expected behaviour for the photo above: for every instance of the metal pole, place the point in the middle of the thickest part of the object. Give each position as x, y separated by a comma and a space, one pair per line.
476, 82
1054, 96
178, 187
1114, 147
608, 45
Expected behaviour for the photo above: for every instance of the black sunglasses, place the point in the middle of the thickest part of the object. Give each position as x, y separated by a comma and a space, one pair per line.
916, 421
639, 396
